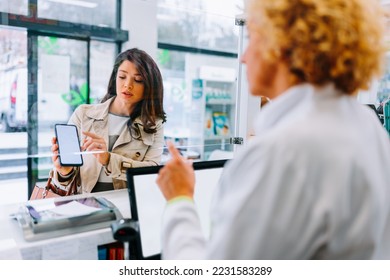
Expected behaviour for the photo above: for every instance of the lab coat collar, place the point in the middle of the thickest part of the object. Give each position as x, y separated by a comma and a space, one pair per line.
290, 103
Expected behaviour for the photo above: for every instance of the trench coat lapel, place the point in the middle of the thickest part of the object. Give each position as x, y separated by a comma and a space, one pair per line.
123, 138
99, 117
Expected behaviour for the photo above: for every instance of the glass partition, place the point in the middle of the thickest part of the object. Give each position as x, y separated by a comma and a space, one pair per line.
199, 102
46, 71
62, 86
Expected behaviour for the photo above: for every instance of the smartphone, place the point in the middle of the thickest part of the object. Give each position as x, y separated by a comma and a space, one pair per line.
68, 145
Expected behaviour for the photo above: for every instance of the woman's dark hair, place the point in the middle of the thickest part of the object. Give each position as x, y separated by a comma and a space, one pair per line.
151, 107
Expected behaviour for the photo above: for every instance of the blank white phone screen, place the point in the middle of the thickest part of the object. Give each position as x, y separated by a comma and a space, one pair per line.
68, 145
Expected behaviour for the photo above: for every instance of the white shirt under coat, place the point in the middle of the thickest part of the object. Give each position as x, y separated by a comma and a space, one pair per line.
314, 183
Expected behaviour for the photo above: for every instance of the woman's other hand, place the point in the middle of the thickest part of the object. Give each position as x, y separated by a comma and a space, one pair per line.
93, 142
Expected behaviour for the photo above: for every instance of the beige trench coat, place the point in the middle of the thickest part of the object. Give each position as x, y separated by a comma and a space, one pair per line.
126, 152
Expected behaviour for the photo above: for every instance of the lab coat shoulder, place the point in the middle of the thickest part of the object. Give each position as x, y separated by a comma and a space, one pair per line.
268, 187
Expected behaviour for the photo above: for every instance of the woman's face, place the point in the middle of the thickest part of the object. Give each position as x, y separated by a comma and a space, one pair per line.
129, 84
261, 73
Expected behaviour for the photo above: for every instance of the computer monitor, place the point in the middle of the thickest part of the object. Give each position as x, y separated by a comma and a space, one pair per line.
147, 203
372, 106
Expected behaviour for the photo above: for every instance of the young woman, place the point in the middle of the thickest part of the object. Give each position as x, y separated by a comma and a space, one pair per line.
125, 129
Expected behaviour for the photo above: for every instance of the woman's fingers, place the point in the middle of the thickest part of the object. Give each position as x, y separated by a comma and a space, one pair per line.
93, 142
91, 135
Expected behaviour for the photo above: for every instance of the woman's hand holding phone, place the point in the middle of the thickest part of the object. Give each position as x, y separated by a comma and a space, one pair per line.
63, 170
92, 143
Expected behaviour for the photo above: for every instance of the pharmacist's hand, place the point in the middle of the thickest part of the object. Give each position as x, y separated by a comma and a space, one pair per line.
94, 142
177, 177
63, 170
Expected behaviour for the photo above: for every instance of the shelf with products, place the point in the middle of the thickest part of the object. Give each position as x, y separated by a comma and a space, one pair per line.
217, 138
227, 102
212, 116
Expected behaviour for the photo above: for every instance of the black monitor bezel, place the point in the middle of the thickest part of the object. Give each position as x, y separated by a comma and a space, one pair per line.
130, 173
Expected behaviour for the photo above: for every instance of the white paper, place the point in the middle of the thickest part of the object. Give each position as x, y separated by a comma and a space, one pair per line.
73, 209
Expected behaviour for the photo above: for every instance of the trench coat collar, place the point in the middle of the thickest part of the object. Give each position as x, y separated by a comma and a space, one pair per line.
100, 111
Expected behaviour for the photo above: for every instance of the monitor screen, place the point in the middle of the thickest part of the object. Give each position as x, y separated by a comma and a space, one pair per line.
148, 203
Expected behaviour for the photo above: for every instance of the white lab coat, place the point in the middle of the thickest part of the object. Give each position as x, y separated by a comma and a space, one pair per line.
314, 183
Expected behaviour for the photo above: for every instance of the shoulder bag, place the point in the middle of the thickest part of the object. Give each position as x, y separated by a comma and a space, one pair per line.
50, 190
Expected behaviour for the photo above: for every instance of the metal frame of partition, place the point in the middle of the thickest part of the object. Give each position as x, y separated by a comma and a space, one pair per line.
180, 48
35, 27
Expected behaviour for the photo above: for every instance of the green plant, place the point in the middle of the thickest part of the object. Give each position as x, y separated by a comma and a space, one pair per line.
48, 44
77, 96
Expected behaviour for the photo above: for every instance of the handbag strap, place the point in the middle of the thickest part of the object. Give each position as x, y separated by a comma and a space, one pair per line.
51, 187
70, 191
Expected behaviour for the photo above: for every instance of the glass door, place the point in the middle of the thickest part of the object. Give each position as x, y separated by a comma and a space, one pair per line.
13, 114
62, 86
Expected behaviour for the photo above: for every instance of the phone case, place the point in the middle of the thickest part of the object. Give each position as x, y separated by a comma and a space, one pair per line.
78, 159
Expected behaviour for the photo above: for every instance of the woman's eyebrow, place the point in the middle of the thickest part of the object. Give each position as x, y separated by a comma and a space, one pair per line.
136, 74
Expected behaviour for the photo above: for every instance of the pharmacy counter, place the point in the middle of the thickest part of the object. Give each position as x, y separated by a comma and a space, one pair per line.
80, 246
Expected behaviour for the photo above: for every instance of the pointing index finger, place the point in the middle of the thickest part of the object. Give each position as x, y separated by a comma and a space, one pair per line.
90, 134
173, 151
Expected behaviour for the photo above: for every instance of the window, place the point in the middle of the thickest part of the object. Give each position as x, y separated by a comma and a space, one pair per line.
102, 58
199, 23
14, 7
92, 12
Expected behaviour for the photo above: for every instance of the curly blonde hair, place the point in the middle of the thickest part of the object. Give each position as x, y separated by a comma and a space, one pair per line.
322, 41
